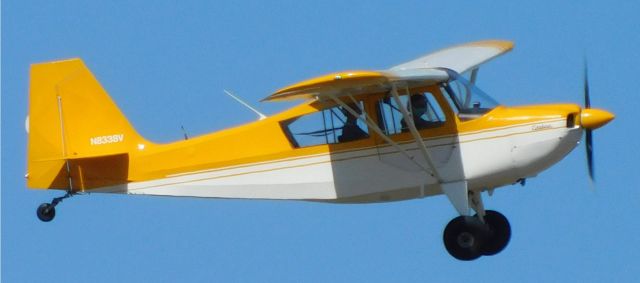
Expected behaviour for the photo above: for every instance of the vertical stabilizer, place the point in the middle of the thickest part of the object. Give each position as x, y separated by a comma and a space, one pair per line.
73, 119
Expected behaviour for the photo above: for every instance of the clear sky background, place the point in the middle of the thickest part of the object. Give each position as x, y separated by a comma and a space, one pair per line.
165, 64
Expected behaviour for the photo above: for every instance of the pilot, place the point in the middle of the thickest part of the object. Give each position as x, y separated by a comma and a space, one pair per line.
419, 107
351, 131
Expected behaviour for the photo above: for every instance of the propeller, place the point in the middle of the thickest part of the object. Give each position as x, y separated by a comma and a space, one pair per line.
591, 119
588, 132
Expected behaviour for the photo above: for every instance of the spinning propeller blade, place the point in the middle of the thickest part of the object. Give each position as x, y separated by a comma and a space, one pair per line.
587, 100
588, 132
589, 142
591, 119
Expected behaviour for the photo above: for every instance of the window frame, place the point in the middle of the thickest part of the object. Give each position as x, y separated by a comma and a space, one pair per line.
450, 118
320, 108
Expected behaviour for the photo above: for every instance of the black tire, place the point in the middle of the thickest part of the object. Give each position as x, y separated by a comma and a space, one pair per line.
463, 238
499, 232
46, 212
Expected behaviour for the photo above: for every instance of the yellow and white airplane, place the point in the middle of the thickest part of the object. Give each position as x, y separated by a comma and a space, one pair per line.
415, 130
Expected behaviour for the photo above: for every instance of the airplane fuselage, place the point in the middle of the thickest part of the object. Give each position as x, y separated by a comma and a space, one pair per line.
503, 146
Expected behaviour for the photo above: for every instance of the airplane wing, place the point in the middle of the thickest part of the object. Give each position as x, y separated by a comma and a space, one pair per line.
460, 58
357, 82
422, 71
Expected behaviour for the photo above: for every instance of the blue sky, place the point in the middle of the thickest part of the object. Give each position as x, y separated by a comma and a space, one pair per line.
165, 64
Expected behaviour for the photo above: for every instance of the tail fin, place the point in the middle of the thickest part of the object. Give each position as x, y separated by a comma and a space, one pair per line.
73, 120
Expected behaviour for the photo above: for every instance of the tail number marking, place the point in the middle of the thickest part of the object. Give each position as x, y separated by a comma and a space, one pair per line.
107, 139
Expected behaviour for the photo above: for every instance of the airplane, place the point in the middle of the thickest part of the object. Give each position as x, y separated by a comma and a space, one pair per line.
421, 128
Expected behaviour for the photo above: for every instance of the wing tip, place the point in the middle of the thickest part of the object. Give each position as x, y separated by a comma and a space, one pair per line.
504, 45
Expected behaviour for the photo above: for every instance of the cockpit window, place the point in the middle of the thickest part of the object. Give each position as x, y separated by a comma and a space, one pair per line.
329, 126
422, 106
468, 100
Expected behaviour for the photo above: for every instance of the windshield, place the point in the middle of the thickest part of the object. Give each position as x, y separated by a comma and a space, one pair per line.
466, 98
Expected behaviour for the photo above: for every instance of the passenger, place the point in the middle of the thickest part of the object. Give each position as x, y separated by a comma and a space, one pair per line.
351, 131
419, 107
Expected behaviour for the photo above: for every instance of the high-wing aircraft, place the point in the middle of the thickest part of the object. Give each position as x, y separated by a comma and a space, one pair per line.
415, 130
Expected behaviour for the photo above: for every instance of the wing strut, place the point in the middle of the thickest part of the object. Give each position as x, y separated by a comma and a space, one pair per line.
458, 192
377, 129
414, 131
474, 75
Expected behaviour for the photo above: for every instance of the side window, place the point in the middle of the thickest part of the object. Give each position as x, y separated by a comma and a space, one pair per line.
329, 126
422, 106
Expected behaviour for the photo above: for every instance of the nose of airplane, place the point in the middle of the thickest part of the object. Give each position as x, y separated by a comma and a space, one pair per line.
592, 118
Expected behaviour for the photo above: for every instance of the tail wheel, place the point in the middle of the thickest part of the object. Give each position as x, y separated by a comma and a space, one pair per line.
464, 238
46, 212
499, 232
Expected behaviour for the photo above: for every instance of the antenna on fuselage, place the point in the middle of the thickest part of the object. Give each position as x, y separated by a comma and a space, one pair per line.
262, 116
186, 137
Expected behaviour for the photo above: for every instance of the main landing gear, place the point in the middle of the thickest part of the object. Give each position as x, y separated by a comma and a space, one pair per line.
47, 211
468, 238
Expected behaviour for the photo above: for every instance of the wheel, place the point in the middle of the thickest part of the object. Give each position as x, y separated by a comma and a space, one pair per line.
46, 212
464, 237
499, 232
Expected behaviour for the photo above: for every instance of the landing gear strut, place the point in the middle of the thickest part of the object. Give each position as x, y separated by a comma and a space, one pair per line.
468, 238
47, 211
